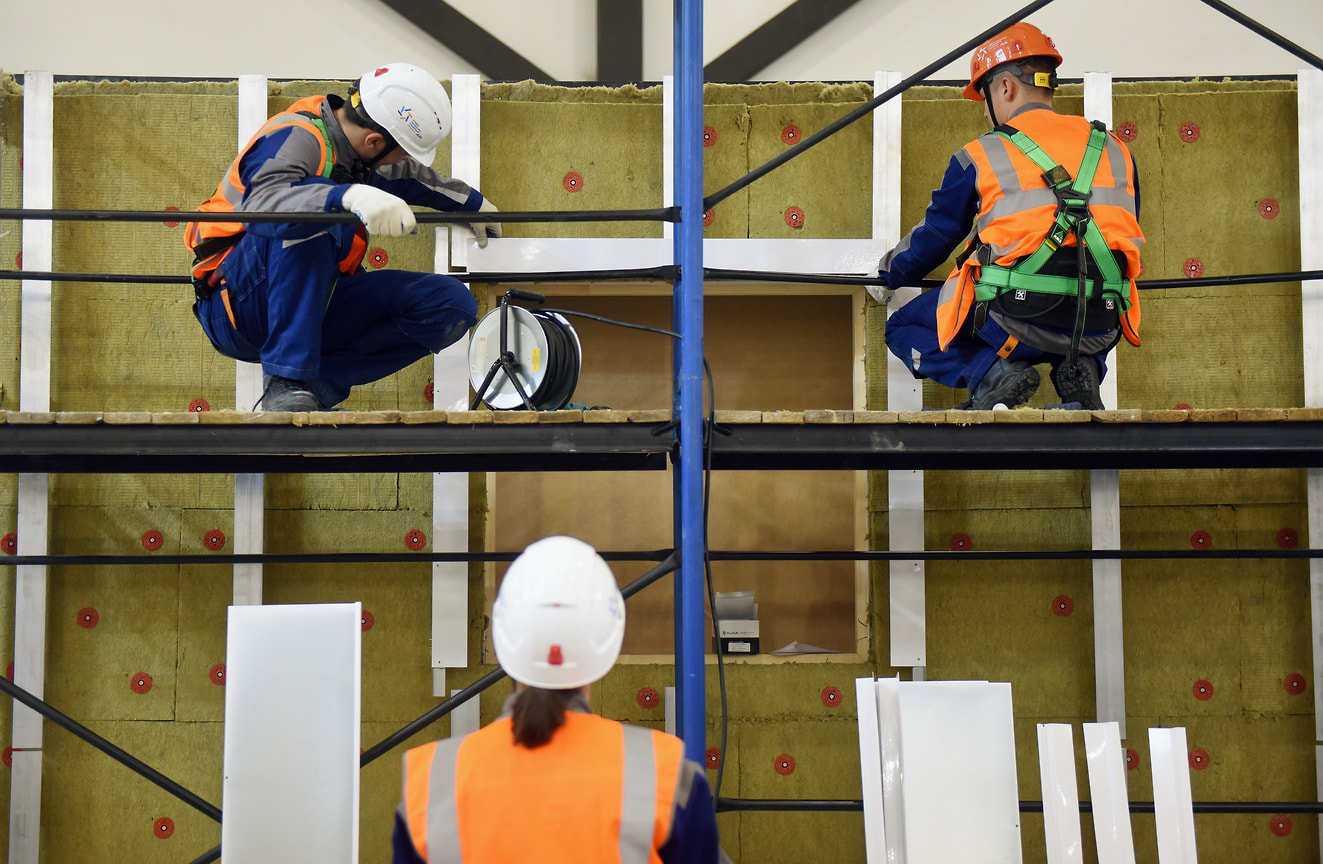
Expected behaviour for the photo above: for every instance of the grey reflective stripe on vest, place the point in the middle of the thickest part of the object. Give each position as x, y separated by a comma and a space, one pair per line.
442, 816
1028, 199
639, 806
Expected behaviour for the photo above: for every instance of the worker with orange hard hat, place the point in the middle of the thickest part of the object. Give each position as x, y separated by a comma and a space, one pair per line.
1048, 207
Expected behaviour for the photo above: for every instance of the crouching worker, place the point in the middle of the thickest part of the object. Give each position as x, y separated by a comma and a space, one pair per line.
1049, 273
549, 781
293, 296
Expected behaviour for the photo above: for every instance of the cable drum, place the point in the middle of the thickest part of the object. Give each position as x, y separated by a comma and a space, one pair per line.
545, 355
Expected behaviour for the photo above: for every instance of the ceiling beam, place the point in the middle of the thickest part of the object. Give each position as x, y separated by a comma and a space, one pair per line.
773, 40
496, 60
619, 40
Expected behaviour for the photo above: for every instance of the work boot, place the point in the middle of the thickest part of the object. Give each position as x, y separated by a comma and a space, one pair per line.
285, 394
1078, 382
1008, 383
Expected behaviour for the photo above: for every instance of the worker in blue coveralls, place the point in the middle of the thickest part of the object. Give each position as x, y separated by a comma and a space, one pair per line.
1048, 275
294, 296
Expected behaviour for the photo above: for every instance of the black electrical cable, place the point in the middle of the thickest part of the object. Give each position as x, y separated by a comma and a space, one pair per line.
710, 428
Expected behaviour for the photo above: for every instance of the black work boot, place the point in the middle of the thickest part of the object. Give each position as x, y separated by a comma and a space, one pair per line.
1078, 382
1008, 383
285, 394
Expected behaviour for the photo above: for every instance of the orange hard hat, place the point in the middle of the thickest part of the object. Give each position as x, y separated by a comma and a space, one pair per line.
1015, 42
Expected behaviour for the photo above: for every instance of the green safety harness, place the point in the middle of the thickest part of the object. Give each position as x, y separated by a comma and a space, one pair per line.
1072, 217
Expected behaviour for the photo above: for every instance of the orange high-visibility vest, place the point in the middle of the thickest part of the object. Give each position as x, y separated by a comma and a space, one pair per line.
598, 792
212, 241
1017, 209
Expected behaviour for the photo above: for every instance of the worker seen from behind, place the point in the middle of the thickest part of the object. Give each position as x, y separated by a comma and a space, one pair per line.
294, 296
1047, 275
549, 781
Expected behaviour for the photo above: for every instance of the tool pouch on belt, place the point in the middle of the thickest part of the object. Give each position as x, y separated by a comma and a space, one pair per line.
1102, 307
206, 263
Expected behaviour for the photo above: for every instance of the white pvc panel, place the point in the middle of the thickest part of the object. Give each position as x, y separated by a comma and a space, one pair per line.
450, 507
249, 489
465, 152
962, 803
870, 771
1309, 96
669, 710
1108, 629
668, 151
1310, 111
893, 792
1098, 106
1105, 495
1061, 796
1173, 808
33, 489
1107, 791
907, 596
292, 719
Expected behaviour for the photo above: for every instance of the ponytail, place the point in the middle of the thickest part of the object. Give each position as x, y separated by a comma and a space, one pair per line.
538, 713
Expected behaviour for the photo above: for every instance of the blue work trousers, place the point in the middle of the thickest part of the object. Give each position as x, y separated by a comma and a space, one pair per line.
294, 316
912, 336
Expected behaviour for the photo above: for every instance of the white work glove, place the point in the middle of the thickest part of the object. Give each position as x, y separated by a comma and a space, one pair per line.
881, 293
380, 211
482, 230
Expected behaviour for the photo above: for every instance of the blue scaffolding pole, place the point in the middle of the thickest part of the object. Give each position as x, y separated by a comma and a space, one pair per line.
691, 708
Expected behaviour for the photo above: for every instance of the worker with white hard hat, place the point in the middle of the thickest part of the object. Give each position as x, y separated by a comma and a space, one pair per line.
294, 296
549, 781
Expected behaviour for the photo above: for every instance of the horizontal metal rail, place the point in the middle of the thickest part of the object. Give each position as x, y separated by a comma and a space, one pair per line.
854, 805
360, 558
223, 448
659, 214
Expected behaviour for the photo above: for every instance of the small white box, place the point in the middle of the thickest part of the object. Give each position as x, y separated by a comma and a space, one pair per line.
738, 636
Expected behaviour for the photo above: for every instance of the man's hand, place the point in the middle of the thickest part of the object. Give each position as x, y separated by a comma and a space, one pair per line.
483, 230
881, 293
380, 211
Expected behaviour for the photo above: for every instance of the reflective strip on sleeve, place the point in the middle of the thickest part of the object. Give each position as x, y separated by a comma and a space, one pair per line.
442, 815
638, 808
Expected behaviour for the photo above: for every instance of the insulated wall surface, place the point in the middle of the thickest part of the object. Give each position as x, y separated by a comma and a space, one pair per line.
1241, 628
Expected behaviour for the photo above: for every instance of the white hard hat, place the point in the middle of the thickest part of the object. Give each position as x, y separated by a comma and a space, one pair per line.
559, 618
409, 104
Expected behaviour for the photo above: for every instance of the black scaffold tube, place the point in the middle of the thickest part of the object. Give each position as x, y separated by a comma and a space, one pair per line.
837, 125
660, 214
137, 765
1275, 38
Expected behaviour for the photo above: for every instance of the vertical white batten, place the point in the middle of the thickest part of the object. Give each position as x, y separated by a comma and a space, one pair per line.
870, 771
1107, 791
1309, 95
465, 150
450, 386
249, 489
668, 151
1105, 508
1061, 797
1173, 807
33, 489
904, 393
